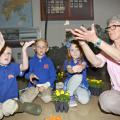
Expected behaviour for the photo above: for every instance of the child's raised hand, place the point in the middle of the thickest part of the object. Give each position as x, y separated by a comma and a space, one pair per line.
2, 41
27, 44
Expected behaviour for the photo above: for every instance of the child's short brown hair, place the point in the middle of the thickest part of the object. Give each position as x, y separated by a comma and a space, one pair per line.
4, 48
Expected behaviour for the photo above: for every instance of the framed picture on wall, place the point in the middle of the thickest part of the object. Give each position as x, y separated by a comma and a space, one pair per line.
67, 9
16, 13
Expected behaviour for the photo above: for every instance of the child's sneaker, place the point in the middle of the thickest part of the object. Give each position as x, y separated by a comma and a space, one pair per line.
72, 102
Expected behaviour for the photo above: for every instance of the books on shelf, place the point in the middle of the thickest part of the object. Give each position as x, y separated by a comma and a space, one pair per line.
27, 34
19, 33
10, 34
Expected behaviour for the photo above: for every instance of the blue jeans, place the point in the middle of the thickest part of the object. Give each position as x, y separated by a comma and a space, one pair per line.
73, 87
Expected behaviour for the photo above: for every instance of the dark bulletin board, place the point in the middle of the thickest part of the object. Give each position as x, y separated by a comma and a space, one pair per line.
67, 9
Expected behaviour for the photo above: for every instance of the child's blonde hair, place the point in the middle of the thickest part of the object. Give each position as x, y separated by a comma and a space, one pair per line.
41, 39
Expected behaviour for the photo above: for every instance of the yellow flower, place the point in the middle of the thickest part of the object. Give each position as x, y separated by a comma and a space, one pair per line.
62, 72
67, 94
98, 81
88, 79
57, 92
58, 74
60, 95
62, 92
93, 80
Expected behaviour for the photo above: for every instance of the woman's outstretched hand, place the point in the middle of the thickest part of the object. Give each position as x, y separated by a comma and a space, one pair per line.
84, 34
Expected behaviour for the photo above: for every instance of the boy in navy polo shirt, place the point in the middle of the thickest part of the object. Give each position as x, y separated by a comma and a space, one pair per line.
9, 103
41, 74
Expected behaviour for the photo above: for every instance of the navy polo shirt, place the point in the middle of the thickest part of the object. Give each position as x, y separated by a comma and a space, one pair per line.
8, 83
43, 68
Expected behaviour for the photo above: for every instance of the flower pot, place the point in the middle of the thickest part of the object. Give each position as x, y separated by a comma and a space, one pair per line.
61, 106
65, 106
57, 106
95, 91
91, 90
98, 91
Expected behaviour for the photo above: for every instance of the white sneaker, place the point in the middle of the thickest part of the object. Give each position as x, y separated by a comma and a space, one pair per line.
72, 102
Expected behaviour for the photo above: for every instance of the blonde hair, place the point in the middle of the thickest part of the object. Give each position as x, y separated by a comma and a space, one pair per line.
41, 39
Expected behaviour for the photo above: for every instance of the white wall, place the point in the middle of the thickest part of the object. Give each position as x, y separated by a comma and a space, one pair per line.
103, 9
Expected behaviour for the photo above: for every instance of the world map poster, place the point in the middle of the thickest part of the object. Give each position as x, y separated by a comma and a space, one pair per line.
16, 13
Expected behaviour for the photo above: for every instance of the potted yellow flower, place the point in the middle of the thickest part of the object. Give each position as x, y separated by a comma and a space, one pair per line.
61, 99
95, 86
60, 76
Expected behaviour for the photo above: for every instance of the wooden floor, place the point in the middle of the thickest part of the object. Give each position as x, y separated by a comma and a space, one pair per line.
90, 111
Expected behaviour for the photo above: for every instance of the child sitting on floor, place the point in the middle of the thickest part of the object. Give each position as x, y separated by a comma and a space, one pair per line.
41, 74
9, 103
76, 82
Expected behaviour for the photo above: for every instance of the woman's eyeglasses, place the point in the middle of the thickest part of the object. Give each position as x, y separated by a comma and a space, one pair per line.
113, 27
